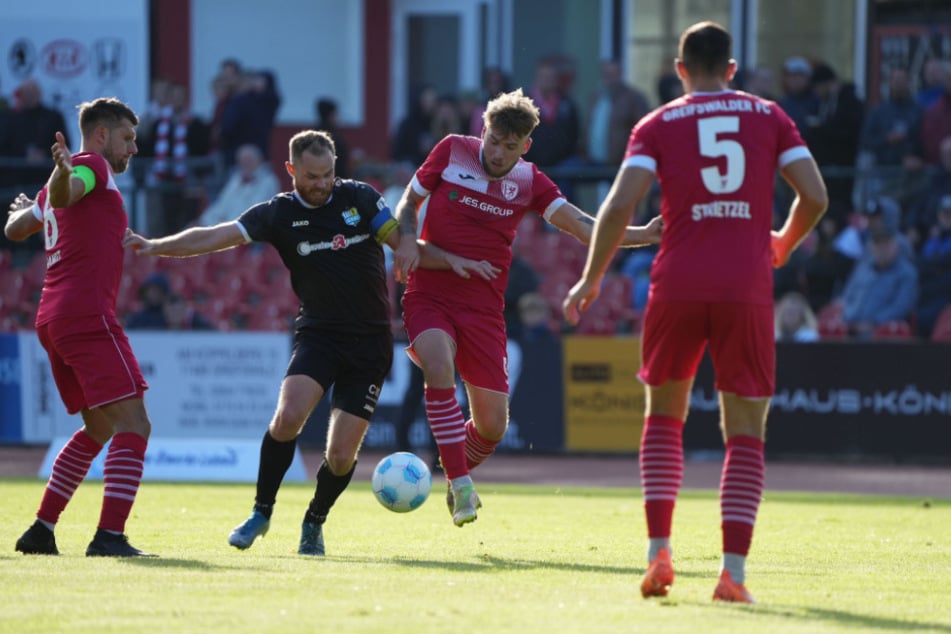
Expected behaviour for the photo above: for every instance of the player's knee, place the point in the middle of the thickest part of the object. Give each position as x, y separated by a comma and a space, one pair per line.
135, 424
493, 429
286, 425
439, 372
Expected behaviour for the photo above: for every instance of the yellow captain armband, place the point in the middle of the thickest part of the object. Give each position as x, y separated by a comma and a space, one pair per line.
86, 175
385, 230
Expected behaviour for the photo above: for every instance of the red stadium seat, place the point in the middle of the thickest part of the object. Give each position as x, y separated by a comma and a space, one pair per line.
830, 323
830, 312
833, 329
596, 325
36, 272
942, 326
555, 286
14, 286
893, 331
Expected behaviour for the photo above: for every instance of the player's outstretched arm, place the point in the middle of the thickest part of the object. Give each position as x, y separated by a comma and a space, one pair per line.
433, 257
576, 222
806, 211
63, 190
194, 241
406, 254
642, 236
573, 221
610, 229
21, 223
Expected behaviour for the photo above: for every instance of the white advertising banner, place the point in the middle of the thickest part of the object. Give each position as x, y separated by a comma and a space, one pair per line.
76, 53
199, 460
201, 385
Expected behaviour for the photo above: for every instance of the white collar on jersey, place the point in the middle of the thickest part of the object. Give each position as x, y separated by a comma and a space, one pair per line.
725, 91
308, 205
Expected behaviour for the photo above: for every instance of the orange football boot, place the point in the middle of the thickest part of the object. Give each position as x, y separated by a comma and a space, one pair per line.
659, 576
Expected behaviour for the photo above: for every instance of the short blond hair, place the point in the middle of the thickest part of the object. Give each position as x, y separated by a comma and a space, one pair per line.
512, 113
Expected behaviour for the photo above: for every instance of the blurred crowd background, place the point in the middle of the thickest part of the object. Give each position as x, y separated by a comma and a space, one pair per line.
877, 268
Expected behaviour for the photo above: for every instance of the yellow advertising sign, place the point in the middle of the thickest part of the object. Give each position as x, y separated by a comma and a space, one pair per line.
604, 400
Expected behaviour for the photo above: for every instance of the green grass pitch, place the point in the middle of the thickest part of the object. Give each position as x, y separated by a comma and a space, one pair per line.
539, 559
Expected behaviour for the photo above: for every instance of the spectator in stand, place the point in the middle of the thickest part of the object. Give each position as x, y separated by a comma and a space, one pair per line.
882, 288
791, 277
833, 136
638, 263
890, 140
825, 269
5, 115
523, 279
159, 106
248, 116
4, 106
934, 271
164, 310
153, 292
225, 86
923, 213
494, 82
31, 130
252, 181
881, 211
446, 118
669, 87
936, 121
798, 99
175, 138
795, 320
414, 136
535, 315
555, 142
761, 81
328, 119
180, 315
932, 84
614, 108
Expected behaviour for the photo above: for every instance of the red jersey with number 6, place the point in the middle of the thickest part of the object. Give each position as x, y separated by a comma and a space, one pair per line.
83, 248
715, 156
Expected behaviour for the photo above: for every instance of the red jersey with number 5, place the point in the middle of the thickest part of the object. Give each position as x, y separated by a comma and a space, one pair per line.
83, 248
715, 156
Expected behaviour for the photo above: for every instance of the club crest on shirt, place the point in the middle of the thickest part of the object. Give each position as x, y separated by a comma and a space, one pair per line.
509, 189
351, 216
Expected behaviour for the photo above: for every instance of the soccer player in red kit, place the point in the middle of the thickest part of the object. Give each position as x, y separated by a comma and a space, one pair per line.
714, 153
83, 217
475, 193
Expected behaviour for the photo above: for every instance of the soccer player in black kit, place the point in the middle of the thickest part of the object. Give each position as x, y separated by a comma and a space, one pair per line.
329, 233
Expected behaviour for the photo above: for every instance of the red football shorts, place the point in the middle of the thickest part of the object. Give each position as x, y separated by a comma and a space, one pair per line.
740, 337
92, 361
480, 339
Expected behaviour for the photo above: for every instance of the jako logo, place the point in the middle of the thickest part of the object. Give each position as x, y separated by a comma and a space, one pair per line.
64, 58
300, 223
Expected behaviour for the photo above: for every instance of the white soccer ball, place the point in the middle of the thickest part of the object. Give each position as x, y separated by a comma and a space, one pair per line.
401, 482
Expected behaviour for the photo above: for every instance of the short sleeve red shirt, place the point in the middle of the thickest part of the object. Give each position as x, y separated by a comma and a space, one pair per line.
471, 214
715, 156
84, 252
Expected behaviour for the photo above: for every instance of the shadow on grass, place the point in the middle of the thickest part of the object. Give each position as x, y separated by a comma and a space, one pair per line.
173, 562
492, 564
862, 622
